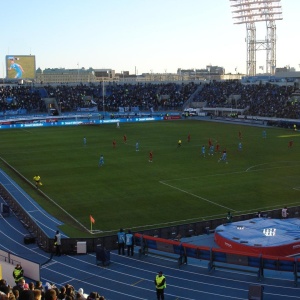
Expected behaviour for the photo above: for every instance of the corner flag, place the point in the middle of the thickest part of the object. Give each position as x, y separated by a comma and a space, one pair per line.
92, 219
92, 222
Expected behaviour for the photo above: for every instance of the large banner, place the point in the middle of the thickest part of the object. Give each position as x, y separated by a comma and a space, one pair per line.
20, 66
89, 109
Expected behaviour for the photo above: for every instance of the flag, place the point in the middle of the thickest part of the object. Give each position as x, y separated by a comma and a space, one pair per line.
92, 219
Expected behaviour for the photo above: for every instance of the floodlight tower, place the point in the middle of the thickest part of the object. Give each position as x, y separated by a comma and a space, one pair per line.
249, 12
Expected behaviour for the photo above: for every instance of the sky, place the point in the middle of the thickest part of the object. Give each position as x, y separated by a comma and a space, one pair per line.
139, 36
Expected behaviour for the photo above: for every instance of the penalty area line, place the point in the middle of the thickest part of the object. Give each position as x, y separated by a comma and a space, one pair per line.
196, 196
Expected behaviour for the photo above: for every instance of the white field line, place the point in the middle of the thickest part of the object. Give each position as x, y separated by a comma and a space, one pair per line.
250, 169
295, 163
196, 196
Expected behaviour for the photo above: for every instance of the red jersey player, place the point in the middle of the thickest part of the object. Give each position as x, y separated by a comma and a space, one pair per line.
189, 138
209, 142
150, 156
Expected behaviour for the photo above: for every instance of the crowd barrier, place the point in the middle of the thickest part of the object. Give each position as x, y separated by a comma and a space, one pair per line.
219, 258
161, 245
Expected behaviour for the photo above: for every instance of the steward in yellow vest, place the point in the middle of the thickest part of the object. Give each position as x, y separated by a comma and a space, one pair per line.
18, 273
160, 284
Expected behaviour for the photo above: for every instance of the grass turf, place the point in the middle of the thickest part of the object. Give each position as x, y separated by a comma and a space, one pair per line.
180, 186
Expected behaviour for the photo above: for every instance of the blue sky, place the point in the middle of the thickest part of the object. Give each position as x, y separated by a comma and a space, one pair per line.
144, 35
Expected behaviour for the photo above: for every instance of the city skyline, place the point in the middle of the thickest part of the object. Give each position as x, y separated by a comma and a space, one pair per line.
139, 36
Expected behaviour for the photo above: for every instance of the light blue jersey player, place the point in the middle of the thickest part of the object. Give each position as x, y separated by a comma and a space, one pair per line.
14, 66
137, 146
211, 150
240, 146
101, 161
203, 151
224, 157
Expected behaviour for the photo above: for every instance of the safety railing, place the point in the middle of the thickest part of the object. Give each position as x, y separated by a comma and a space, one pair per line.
219, 258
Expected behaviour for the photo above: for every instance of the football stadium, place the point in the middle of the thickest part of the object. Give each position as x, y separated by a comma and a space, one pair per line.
153, 186
181, 193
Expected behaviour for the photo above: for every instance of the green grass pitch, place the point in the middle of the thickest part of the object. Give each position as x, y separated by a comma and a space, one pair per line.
179, 186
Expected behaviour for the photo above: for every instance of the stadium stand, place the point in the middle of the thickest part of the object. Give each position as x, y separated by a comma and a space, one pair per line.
265, 100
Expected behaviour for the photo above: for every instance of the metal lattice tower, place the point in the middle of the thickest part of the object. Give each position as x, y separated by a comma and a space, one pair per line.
249, 12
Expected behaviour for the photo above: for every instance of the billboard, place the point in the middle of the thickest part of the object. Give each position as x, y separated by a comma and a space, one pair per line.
20, 66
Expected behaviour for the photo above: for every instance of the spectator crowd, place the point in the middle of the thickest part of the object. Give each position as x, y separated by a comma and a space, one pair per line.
265, 100
38, 291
